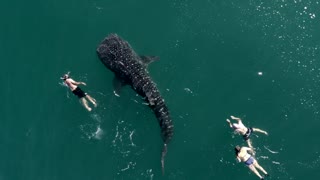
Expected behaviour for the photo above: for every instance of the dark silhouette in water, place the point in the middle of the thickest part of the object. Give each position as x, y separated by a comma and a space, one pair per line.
130, 69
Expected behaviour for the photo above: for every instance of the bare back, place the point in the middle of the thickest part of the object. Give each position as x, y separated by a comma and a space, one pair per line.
240, 128
243, 155
71, 84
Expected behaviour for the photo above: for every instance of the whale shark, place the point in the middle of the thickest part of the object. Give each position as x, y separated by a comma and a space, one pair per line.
131, 69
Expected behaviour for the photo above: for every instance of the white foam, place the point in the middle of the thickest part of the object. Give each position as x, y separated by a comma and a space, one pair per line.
273, 152
131, 133
188, 90
63, 84
275, 162
92, 131
96, 117
99, 133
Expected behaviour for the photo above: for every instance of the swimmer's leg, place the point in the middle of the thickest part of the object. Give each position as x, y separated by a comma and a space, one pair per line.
257, 165
92, 100
259, 130
253, 169
250, 146
85, 104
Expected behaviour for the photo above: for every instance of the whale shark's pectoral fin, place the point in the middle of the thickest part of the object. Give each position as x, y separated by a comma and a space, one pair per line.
146, 60
117, 85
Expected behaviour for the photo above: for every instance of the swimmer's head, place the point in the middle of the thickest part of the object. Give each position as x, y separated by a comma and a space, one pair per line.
66, 76
237, 149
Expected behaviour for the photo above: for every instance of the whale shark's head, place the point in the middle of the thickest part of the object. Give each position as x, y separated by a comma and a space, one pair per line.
114, 49
107, 50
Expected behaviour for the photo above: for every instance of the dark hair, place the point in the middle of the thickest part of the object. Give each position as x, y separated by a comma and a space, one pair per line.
237, 150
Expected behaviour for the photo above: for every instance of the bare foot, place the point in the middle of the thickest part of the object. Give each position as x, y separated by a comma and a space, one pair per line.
94, 102
89, 109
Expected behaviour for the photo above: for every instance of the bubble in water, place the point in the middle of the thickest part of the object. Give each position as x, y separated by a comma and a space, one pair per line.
148, 174
96, 117
92, 131
312, 16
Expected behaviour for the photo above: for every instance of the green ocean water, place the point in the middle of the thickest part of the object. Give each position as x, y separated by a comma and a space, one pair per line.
259, 60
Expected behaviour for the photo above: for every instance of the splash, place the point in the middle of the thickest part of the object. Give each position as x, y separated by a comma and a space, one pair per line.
99, 133
92, 131
148, 174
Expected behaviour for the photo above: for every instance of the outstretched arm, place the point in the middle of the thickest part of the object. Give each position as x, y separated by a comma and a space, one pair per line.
77, 83
249, 143
230, 124
260, 130
248, 149
235, 118
251, 149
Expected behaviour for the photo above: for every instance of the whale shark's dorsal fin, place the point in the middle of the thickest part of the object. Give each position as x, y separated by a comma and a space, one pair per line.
146, 60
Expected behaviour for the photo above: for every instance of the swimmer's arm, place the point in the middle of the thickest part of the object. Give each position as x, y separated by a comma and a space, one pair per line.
230, 124
76, 83
235, 118
248, 149
238, 159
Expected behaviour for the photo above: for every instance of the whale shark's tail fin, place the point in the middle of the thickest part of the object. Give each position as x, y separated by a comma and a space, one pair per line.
164, 152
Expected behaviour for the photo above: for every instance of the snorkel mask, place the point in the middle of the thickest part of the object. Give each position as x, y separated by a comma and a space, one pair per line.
66, 76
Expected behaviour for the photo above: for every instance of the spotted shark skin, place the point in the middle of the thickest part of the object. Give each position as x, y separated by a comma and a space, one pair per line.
131, 69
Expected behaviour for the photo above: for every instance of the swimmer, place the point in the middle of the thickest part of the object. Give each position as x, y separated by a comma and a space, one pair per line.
243, 130
243, 156
73, 85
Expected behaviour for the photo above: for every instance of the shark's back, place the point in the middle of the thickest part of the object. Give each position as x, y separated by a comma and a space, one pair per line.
115, 48
117, 55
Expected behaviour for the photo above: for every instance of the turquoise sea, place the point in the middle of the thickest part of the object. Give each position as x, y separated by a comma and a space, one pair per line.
256, 59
